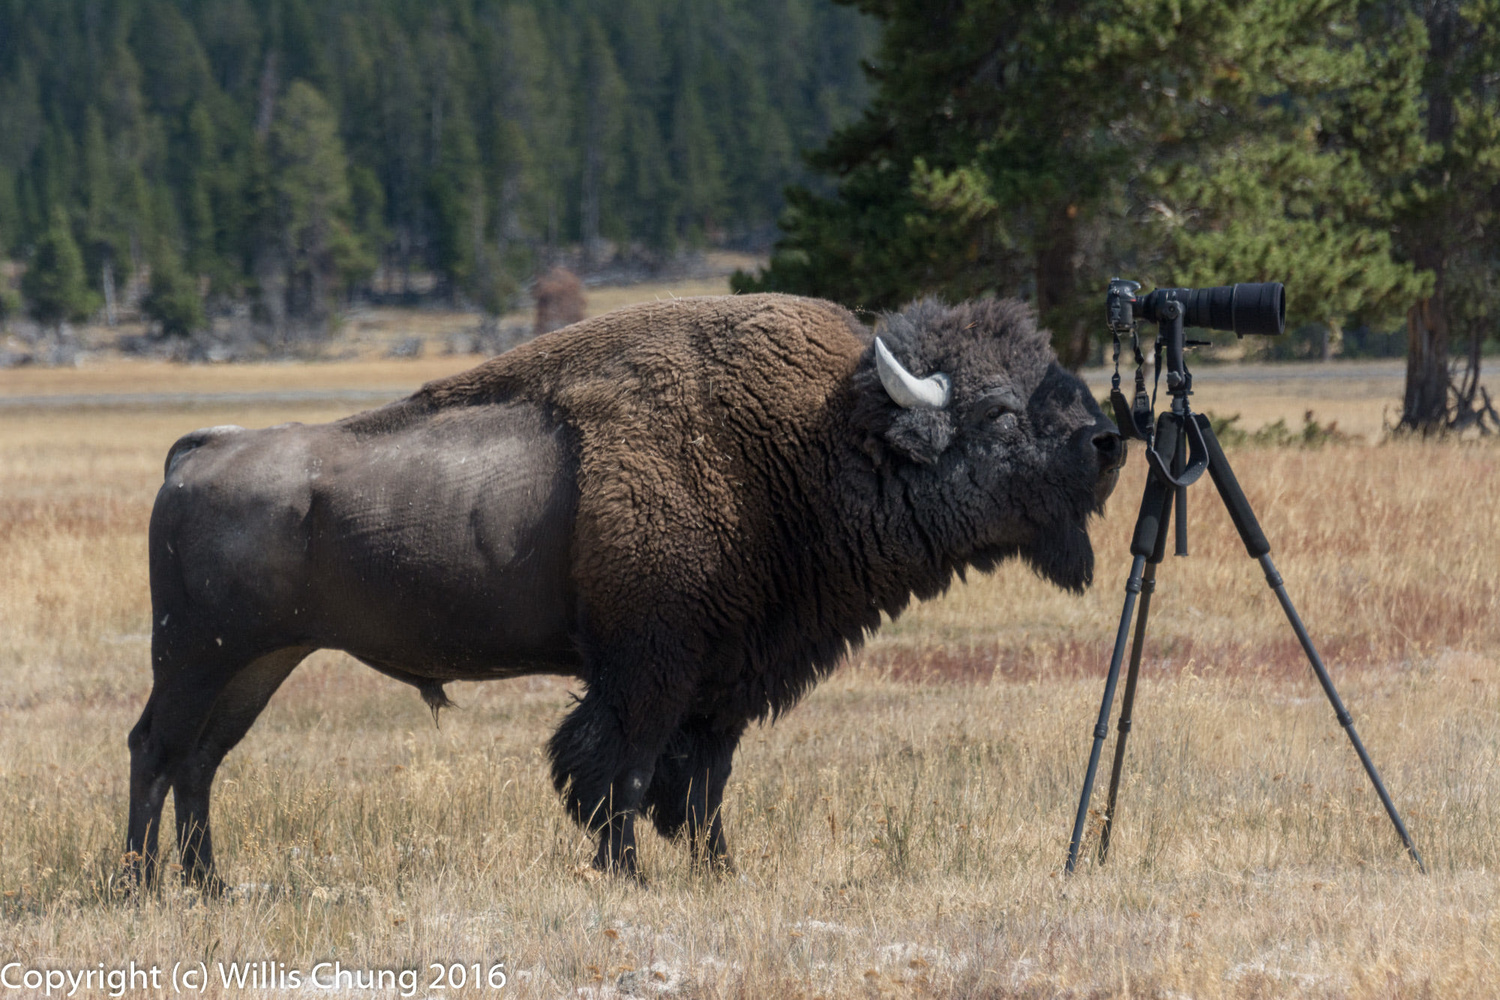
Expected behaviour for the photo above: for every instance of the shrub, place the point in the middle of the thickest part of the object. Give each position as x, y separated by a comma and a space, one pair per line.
173, 302
559, 300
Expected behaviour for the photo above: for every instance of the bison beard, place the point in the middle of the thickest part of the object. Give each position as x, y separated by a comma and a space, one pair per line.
696, 507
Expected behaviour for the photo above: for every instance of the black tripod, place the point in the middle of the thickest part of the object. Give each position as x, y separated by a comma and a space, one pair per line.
1182, 448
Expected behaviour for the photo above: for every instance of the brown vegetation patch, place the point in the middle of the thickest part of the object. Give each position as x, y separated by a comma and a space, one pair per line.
78, 517
949, 664
560, 300
1275, 659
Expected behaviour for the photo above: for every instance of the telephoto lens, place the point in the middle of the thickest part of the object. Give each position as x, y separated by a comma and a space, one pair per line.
1258, 309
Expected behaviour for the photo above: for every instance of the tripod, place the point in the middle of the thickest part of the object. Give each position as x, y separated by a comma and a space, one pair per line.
1182, 448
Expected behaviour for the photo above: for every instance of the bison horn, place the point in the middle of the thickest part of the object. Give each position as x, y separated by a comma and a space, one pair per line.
905, 388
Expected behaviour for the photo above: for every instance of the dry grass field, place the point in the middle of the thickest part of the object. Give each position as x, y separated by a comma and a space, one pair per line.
901, 833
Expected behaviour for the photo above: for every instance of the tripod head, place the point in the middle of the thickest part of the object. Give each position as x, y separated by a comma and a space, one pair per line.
1241, 308
1258, 308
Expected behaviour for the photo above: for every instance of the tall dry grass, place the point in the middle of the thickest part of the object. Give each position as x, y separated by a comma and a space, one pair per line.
900, 833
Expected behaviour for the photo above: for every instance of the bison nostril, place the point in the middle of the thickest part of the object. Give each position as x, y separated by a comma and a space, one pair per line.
1108, 443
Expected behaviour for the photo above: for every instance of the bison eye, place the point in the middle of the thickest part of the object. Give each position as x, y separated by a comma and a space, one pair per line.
994, 406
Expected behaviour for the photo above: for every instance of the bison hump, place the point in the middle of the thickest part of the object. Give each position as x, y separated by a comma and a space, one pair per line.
679, 407
654, 353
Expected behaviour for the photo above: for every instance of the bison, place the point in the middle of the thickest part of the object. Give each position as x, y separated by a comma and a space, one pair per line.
695, 507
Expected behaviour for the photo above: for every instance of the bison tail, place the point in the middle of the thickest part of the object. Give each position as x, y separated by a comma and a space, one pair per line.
189, 442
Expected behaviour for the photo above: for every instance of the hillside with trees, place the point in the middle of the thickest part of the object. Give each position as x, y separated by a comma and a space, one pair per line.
286, 154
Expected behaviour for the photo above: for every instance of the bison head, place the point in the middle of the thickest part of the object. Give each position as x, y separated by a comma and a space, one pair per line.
1000, 450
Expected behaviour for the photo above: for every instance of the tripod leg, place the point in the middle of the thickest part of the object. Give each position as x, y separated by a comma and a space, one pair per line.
1339, 711
1148, 528
1260, 550
1148, 586
1101, 728
1127, 703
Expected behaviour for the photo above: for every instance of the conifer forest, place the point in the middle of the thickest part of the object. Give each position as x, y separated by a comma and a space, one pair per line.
295, 151
290, 156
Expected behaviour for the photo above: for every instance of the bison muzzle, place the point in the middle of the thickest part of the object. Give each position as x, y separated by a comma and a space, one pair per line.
695, 507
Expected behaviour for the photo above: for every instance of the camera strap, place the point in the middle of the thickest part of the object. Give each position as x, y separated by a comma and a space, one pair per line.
1133, 418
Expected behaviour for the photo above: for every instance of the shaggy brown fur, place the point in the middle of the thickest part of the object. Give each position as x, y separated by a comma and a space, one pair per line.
691, 416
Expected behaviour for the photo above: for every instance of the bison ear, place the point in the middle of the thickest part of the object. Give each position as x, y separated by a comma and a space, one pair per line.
920, 435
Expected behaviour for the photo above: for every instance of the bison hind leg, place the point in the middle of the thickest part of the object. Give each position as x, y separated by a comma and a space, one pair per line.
148, 791
687, 788
187, 679
238, 705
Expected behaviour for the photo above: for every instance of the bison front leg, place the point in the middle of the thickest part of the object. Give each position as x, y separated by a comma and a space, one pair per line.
603, 755
687, 788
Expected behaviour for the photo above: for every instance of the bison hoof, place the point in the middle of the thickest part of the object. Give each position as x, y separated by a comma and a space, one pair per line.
209, 884
204, 879
623, 865
714, 865
137, 875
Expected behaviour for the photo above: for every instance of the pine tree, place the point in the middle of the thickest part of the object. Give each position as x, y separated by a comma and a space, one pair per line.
695, 154
455, 198
165, 41
54, 284
602, 114
1447, 204
195, 183
481, 135
1028, 148
1305, 195
309, 187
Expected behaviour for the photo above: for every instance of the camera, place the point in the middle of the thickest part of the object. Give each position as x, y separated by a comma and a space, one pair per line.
1241, 309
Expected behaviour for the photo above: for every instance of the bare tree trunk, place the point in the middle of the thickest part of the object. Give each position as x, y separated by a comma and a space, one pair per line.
107, 279
1476, 352
135, 288
266, 99
553, 232
1057, 288
271, 275
508, 231
1425, 407
589, 201
1472, 405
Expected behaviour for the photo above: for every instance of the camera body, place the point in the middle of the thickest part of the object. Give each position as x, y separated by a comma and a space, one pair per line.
1258, 309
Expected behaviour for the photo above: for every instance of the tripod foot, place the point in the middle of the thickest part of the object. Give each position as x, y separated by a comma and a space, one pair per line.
1101, 728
